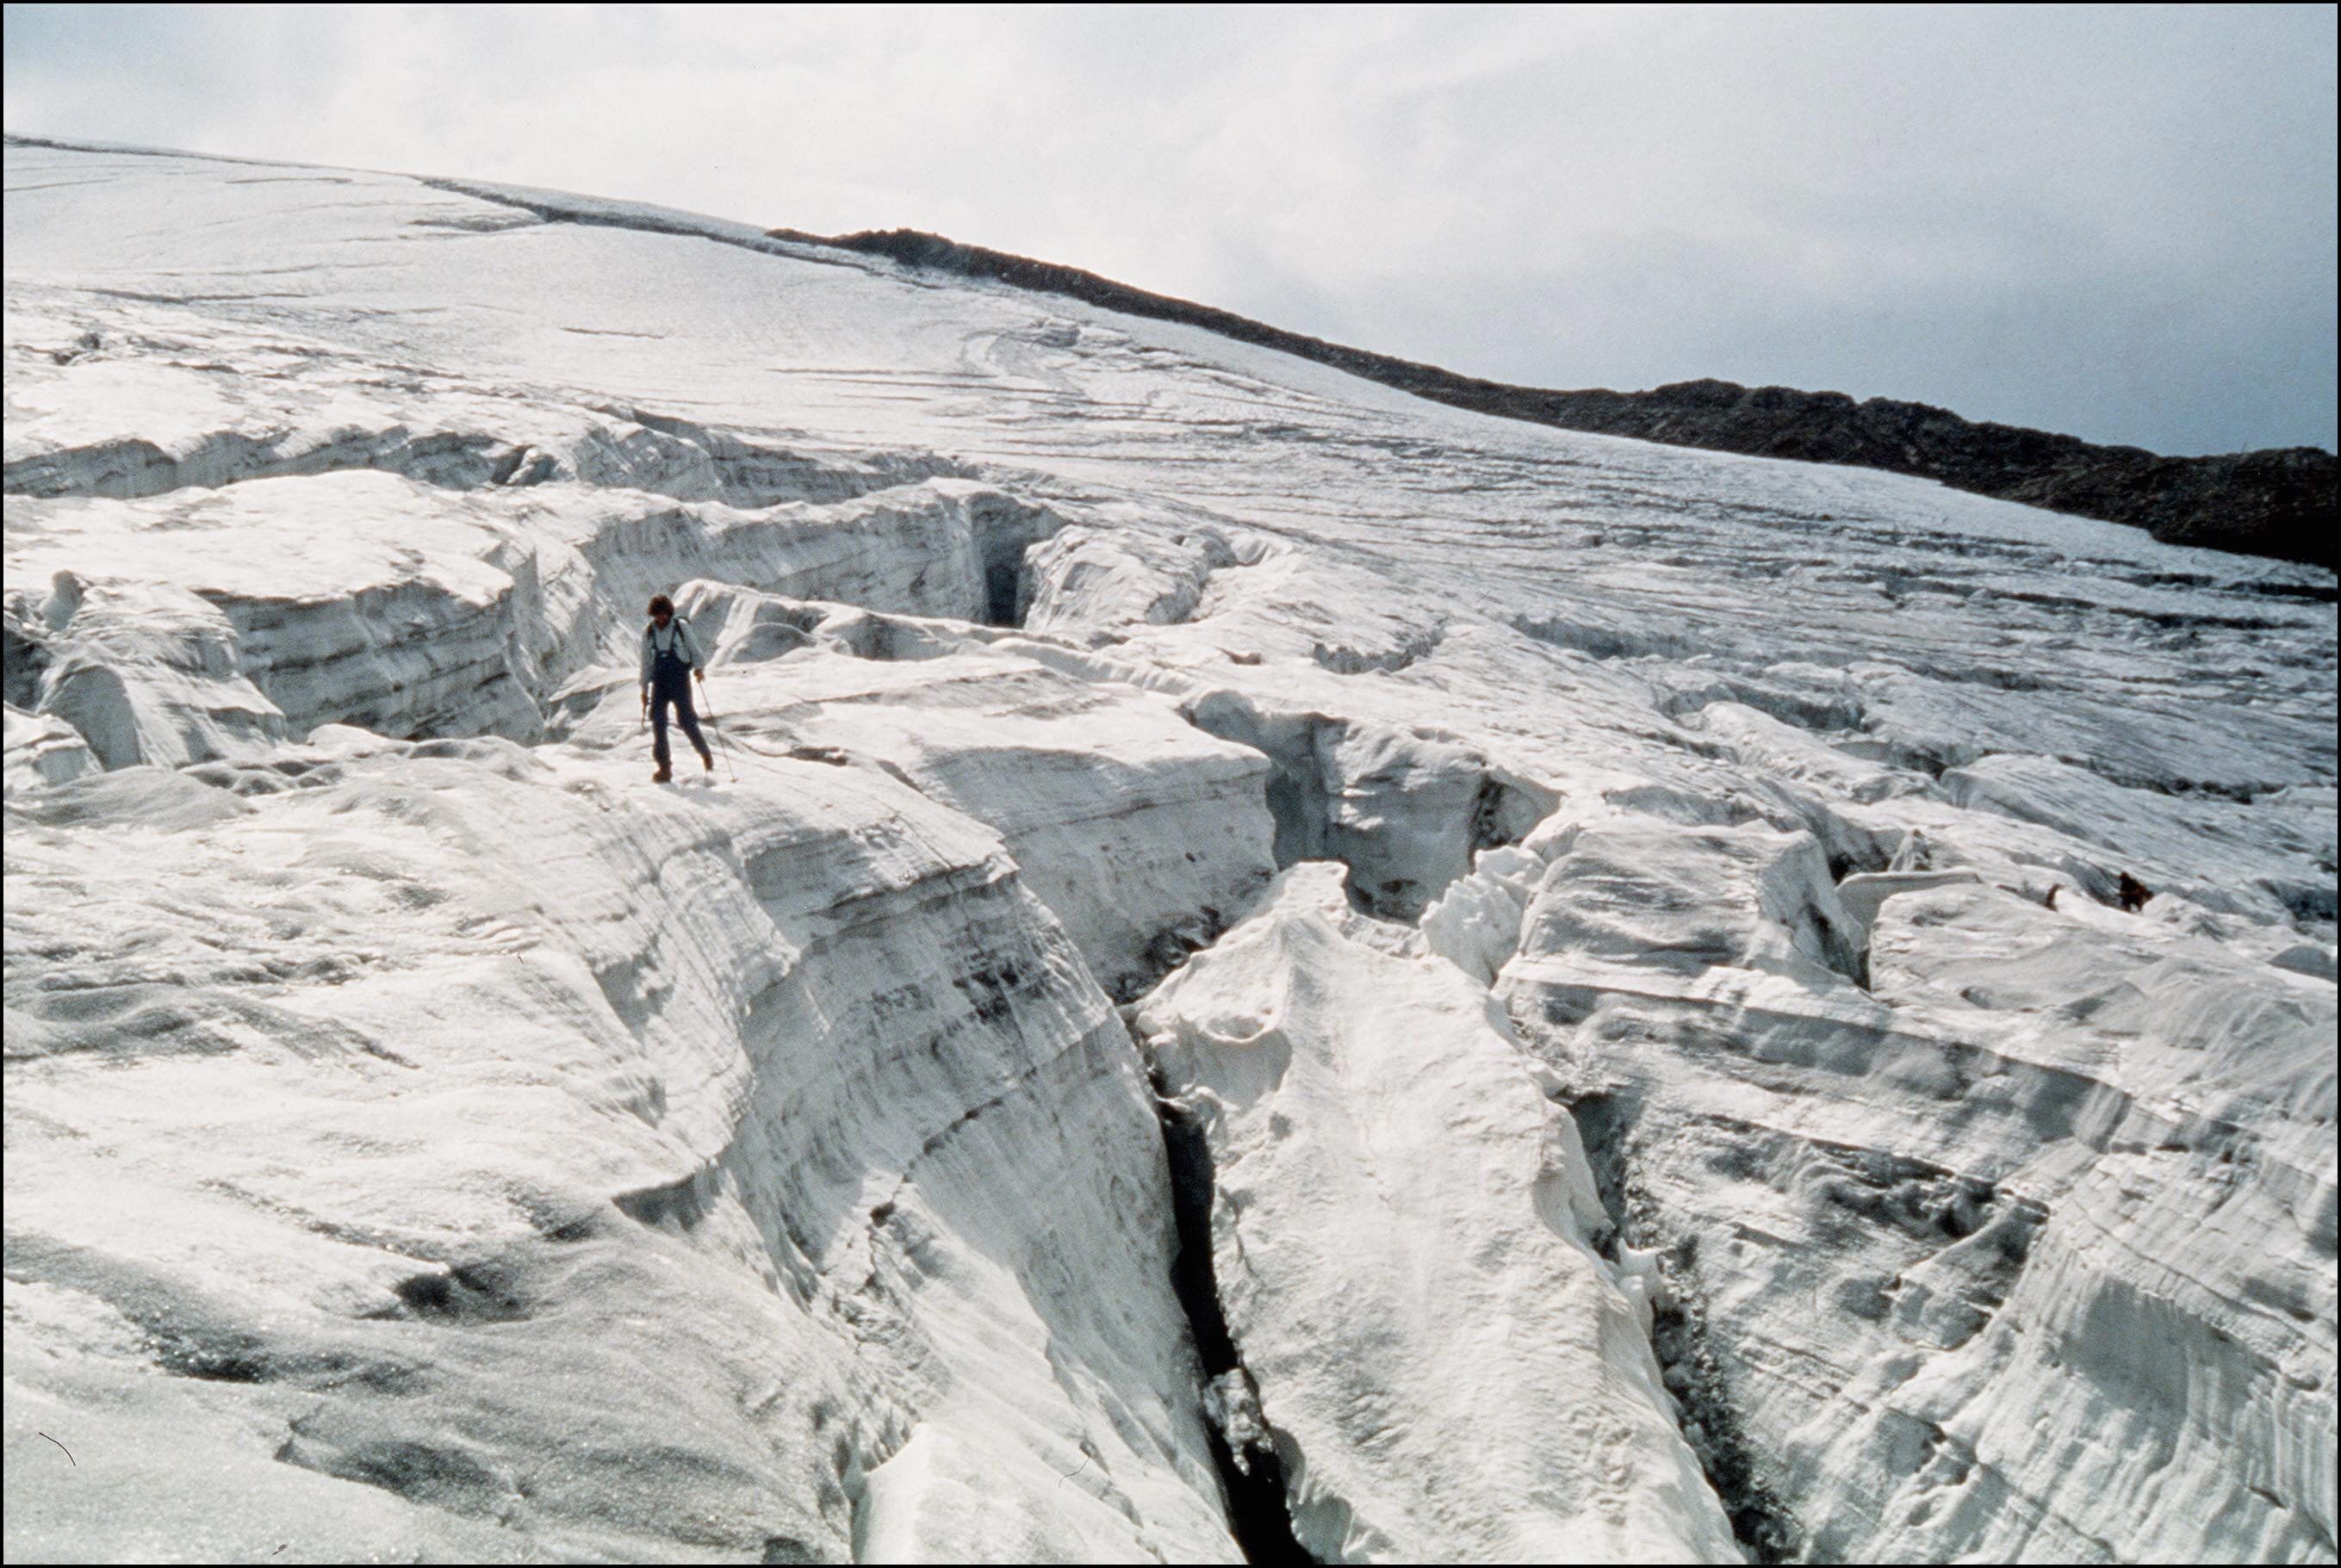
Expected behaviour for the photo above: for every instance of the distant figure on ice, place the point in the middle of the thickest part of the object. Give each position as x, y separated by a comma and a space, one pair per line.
669, 659
2133, 893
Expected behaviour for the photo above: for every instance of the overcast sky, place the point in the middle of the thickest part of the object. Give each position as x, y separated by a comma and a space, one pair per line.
2117, 222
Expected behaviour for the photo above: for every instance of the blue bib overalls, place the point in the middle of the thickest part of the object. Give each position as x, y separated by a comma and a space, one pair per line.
670, 682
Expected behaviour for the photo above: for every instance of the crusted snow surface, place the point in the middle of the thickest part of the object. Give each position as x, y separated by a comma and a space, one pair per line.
1634, 930
639, 1174
1967, 1257
1474, 1384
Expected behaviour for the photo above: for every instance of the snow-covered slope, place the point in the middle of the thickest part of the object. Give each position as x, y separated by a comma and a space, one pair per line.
1624, 939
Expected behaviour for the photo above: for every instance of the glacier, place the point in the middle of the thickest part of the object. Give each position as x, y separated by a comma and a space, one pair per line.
1268, 968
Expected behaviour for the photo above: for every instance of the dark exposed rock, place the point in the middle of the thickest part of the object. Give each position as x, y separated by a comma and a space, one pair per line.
2278, 502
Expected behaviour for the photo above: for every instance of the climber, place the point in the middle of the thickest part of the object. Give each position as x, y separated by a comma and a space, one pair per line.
2133, 893
671, 660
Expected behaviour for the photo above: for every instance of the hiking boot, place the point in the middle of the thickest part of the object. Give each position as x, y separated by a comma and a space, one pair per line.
665, 775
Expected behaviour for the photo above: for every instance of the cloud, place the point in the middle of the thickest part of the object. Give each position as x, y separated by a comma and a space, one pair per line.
2116, 222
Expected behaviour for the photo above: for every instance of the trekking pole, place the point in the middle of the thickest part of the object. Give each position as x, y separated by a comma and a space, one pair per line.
722, 739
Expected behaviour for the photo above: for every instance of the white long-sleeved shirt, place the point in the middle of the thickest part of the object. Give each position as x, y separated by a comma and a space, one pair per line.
676, 639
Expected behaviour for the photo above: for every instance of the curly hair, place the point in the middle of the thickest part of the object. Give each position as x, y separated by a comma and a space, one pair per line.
662, 605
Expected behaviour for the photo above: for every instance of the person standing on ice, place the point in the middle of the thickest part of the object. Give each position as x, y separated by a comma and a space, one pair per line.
670, 658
